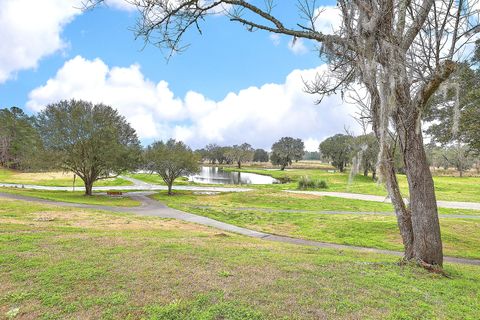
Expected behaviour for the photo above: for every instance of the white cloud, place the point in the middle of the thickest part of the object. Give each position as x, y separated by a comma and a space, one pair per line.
297, 46
258, 115
275, 38
329, 19
30, 30
120, 4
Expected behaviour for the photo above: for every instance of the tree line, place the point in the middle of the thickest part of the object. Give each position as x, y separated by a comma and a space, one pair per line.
95, 142
283, 153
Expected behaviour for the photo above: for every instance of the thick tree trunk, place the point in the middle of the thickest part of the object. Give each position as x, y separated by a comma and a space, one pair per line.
403, 214
239, 165
170, 184
365, 172
427, 244
282, 168
88, 187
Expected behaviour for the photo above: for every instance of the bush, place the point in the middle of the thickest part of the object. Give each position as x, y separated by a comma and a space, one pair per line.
283, 180
306, 183
322, 184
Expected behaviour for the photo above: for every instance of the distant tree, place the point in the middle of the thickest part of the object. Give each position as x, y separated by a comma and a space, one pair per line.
92, 141
240, 153
286, 150
457, 156
470, 122
338, 150
214, 153
202, 154
19, 140
260, 155
171, 160
311, 155
368, 144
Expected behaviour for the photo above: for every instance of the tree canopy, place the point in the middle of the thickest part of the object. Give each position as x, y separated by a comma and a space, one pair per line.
240, 154
338, 149
171, 160
286, 150
260, 155
19, 140
93, 141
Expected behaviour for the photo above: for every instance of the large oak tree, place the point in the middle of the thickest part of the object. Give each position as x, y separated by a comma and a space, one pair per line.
93, 141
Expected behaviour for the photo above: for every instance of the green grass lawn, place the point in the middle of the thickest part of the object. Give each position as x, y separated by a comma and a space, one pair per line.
75, 197
58, 179
447, 188
461, 236
59, 263
156, 179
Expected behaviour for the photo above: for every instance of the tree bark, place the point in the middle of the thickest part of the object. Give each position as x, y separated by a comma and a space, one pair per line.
170, 184
239, 165
365, 172
427, 244
282, 168
403, 214
88, 187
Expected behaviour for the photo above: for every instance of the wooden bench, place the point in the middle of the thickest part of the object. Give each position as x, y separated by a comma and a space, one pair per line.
114, 193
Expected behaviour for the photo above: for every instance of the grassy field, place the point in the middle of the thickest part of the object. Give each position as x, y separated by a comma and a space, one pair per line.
59, 179
156, 179
447, 188
75, 197
461, 236
65, 263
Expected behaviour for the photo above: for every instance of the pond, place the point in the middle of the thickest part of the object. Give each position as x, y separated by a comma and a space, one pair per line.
216, 175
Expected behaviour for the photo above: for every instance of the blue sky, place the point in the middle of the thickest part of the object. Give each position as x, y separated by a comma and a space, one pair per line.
224, 72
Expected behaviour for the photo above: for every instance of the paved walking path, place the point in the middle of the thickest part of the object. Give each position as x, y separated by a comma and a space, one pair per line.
136, 186
152, 207
368, 197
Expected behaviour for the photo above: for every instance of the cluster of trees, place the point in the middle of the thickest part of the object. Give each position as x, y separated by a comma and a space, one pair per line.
341, 149
18, 138
454, 117
95, 142
283, 152
91, 140
237, 154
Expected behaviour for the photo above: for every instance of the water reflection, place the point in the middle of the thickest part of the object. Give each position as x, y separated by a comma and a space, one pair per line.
216, 175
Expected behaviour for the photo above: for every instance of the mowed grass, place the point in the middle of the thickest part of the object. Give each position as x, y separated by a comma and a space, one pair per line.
60, 263
156, 179
74, 197
461, 237
446, 188
58, 179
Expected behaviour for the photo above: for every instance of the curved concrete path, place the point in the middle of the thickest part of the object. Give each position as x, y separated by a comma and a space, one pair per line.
368, 197
150, 207
136, 186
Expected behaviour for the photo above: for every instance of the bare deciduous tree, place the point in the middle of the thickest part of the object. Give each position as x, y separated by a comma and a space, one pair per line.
399, 52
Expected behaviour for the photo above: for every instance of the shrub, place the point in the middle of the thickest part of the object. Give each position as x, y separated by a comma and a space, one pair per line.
322, 184
306, 183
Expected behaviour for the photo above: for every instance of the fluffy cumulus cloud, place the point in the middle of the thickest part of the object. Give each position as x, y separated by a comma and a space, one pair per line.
329, 19
258, 115
31, 30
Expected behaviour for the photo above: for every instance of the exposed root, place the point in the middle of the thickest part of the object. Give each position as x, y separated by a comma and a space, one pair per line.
433, 268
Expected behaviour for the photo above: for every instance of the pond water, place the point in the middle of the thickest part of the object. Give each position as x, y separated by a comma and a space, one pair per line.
216, 175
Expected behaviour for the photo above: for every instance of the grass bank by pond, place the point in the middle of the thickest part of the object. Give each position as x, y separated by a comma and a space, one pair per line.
446, 188
62, 263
